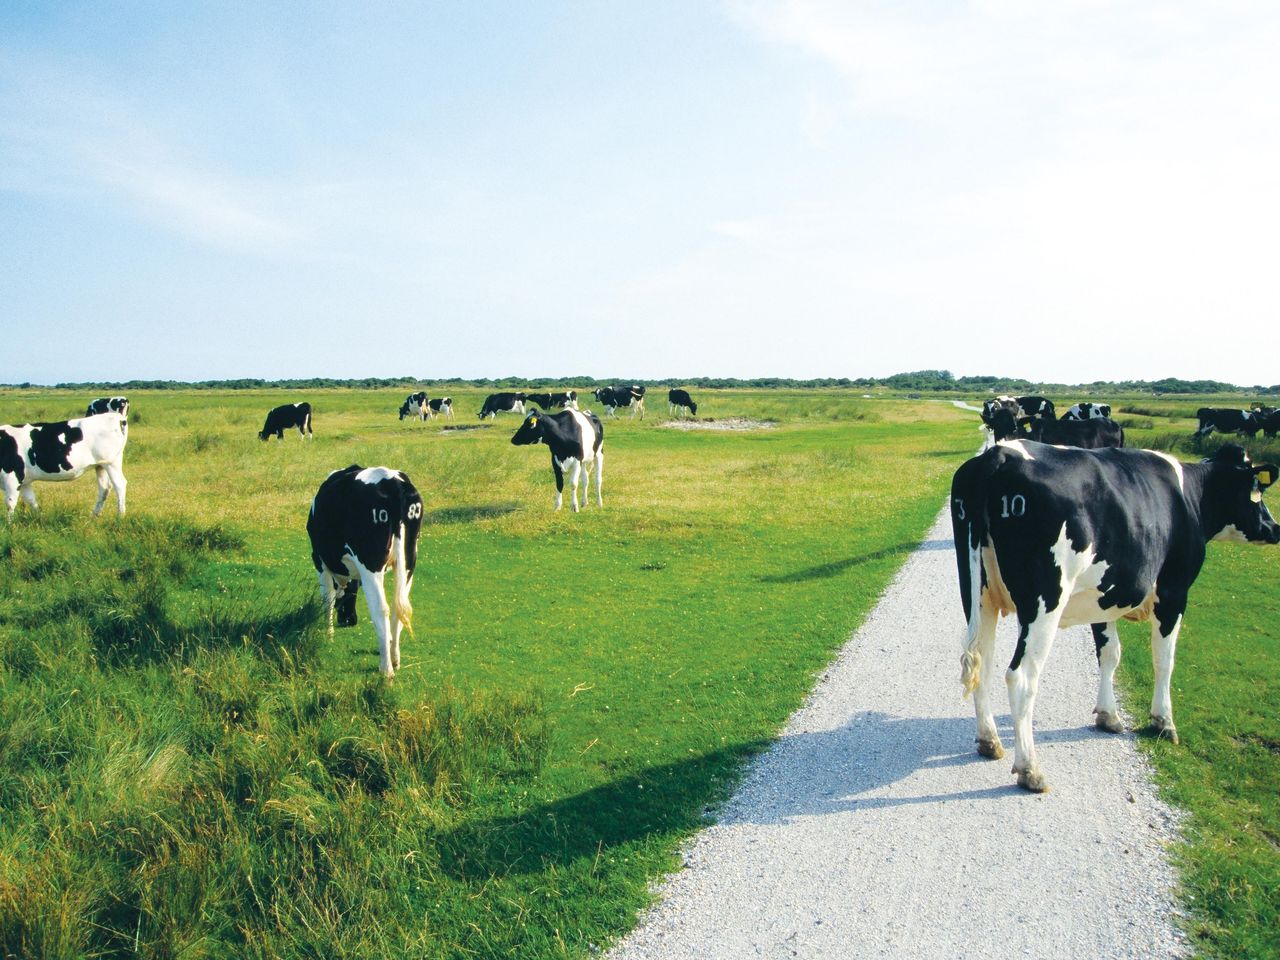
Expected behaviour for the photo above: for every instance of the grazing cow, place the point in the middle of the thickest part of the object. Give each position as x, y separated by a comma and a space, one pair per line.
118, 405
614, 397
63, 450
1271, 423
547, 401
363, 522
1037, 407
1062, 537
1086, 434
415, 405
576, 440
1244, 423
1088, 411
289, 415
497, 403
679, 400
441, 405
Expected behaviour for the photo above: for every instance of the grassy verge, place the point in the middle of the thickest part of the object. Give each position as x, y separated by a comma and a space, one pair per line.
190, 769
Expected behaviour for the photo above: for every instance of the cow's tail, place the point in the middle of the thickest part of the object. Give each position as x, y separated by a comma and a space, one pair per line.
969, 532
401, 608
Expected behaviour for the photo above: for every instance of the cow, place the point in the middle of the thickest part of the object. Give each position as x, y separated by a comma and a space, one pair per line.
1243, 423
990, 408
1088, 411
118, 405
289, 415
1086, 434
576, 440
1060, 537
363, 522
1270, 423
440, 406
63, 450
415, 405
614, 397
679, 400
547, 401
497, 403
1036, 407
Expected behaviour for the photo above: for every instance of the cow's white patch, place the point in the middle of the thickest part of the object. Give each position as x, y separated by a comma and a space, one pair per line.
376, 475
1018, 447
1231, 534
1173, 462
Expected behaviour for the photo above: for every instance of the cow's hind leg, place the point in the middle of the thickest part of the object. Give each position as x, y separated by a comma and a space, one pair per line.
118, 483
328, 595
1163, 647
104, 484
575, 476
984, 647
599, 478
1023, 680
1106, 640
379, 612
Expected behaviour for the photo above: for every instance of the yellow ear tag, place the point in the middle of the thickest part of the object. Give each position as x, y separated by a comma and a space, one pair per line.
1265, 478
533, 421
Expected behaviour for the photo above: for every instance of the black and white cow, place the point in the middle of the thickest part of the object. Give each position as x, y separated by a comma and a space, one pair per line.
1060, 537
1086, 434
1271, 423
678, 401
576, 440
990, 409
1088, 411
1245, 423
415, 405
439, 406
63, 450
289, 415
1039, 408
497, 403
364, 522
614, 397
547, 401
118, 405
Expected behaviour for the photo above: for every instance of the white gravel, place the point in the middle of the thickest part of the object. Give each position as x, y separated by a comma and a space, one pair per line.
872, 829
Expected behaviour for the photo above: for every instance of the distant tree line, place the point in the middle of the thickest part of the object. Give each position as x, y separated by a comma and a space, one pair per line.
915, 381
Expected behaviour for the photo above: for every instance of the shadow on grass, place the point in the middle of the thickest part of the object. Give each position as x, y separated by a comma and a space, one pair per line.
484, 511
844, 771
837, 567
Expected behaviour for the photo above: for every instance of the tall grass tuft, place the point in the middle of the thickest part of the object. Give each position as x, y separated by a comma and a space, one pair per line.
176, 780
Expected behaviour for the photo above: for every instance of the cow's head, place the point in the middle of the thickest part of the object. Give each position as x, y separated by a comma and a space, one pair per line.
530, 431
404, 410
1235, 488
1006, 426
693, 407
1104, 409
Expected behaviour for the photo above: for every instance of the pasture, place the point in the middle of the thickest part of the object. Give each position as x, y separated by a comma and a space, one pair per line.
188, 767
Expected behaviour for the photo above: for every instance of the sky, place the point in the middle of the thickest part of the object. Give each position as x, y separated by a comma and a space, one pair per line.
1066, 192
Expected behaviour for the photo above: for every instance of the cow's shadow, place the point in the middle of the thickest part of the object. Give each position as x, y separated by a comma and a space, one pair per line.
837, 567
844, 770
470, 514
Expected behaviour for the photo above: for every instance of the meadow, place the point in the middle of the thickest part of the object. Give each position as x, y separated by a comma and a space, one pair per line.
189, 767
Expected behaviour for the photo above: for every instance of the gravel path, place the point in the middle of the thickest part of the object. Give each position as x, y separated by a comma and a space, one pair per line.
872, 829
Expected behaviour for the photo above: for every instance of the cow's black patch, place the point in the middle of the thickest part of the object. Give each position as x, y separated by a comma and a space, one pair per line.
10, 460
51, 443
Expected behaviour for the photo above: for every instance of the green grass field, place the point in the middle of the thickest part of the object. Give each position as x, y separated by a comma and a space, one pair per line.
190, 769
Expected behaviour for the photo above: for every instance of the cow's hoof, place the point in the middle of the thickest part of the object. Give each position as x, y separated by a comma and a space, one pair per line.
1108, 721
1163, 728
991, 749
1032, 780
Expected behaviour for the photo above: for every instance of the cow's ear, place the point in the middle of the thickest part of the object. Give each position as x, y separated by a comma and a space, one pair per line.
1264, 476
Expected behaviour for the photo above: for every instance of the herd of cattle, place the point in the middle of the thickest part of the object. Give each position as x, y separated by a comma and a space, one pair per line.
1054, 523
1074, 530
